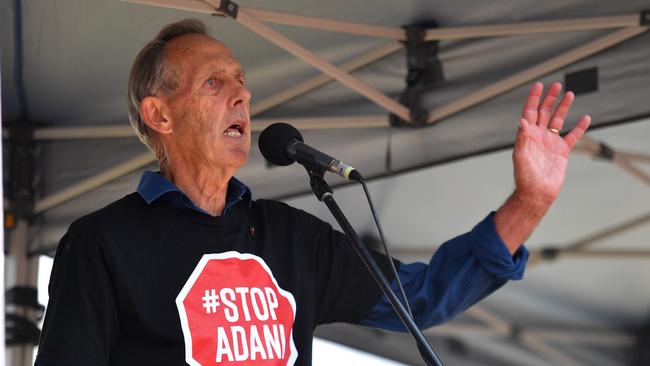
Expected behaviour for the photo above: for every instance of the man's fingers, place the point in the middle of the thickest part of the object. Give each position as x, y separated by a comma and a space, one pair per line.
557, 121
532, 103
574, 136
548, 103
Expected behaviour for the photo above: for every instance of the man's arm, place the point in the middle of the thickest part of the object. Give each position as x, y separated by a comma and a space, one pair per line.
540, 159
468, 268
463, 271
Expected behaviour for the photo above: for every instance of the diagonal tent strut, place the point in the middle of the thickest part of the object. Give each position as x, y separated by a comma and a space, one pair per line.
573, 335
214, 7
621, 159
592, 147
549, 26
533, 73
348, 80
320, 80
439, 34
528, 340
93, 182
326, 24
607, 233
577, 248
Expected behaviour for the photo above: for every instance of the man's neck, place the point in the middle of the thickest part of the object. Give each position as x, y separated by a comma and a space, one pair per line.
206, 188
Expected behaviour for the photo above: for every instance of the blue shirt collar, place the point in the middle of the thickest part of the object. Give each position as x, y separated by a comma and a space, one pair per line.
154, 186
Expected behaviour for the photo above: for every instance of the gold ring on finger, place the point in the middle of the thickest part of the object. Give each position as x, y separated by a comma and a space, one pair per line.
554, 130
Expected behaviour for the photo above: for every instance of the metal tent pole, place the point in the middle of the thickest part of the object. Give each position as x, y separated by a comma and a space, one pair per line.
346, 79
443, 33
320, 80
533, 73
21, 280
93, 182
549, 26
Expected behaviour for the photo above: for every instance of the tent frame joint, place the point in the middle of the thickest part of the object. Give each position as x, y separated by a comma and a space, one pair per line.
228, 8
26, 296
516, 332
550, 253
605, 152
424, 72
644, 19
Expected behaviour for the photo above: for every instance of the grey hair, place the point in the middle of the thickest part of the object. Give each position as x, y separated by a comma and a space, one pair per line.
151, 74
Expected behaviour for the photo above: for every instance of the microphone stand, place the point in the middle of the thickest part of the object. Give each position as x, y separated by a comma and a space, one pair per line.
324, 193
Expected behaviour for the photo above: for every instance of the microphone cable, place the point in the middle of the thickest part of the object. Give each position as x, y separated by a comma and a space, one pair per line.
405, 301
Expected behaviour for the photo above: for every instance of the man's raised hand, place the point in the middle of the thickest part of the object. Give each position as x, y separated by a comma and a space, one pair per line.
540, 155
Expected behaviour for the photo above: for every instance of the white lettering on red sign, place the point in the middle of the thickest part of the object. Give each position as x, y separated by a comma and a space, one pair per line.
232, 311
264, 302
269, 344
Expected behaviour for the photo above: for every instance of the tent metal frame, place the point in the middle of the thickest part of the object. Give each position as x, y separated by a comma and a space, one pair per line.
603, 337
254, 19
577, 248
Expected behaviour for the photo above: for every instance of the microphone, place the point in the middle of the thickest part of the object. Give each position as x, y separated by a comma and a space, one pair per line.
282, 144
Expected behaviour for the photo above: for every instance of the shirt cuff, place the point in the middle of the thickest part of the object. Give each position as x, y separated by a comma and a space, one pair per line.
492, 253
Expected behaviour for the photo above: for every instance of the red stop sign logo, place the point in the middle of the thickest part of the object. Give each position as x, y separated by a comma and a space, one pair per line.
233, 312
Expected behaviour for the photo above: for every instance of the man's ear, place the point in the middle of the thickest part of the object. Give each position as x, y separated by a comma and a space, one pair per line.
154, 114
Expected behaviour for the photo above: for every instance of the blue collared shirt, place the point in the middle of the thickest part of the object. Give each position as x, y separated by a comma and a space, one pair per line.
154, 186
463, 271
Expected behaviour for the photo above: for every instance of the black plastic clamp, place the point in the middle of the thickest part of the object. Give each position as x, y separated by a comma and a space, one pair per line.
26, 297
229, 8
20, 330
424, 73
606, 152
22, 153
516, 332
550, 253
645, 17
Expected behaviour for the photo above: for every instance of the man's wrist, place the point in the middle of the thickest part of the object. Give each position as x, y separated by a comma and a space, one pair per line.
534, 201
518, 217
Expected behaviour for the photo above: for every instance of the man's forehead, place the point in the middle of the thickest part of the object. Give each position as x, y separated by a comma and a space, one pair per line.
197, 43
202, 51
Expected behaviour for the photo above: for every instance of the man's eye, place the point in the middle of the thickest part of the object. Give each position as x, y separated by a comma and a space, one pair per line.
211, 82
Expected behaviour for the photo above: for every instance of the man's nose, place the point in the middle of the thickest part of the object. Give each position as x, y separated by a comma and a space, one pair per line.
241, 95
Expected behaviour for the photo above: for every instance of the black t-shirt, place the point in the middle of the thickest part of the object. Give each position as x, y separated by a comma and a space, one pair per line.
140, 284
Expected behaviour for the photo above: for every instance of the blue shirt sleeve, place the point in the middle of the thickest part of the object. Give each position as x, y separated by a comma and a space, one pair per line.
463, 271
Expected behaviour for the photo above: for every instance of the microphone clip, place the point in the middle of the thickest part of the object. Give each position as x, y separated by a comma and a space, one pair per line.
318, 185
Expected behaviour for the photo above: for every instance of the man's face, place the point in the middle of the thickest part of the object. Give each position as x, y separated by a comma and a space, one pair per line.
209, 106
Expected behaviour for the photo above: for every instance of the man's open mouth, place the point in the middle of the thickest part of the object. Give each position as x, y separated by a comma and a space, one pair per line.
234, 130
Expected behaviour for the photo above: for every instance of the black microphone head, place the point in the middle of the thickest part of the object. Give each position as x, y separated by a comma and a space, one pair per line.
273, 143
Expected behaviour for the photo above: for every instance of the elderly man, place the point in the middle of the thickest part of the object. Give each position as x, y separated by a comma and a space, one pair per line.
189, 269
